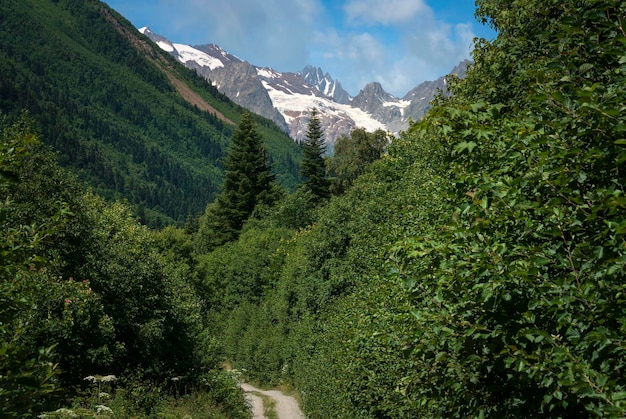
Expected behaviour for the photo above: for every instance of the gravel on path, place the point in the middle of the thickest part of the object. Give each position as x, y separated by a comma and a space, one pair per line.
286, 406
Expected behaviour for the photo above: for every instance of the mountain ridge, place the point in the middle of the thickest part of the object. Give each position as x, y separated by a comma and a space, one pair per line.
123, 114
268, 92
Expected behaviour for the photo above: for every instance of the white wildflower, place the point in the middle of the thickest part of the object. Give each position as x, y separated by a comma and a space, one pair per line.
102, 409
66, 413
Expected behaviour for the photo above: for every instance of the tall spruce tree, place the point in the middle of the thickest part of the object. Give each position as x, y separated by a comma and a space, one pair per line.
313, 167
248, 181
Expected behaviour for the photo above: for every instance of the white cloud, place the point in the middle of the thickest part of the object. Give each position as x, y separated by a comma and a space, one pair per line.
440, 42
399, 43
269, 33
353, 59
430, 53
384, 11
422, 48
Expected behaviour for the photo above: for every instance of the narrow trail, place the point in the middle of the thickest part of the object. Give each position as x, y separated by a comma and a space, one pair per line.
286, 406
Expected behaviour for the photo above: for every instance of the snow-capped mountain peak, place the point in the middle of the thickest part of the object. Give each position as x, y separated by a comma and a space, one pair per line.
210, 56
188, 54
315, 77
287, 98
162, 42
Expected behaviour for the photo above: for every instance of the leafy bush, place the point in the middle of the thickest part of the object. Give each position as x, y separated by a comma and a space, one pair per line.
28, 373
518, 298
477, 270
132, 306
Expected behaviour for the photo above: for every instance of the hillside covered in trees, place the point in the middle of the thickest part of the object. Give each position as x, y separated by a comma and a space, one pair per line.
126, 117
473, 269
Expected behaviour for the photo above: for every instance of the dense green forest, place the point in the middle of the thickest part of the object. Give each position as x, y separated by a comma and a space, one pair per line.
110, 102
477, 269
474, 269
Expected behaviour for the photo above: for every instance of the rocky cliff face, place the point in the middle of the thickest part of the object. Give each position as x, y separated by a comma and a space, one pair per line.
383, 106
240, 82
315, 77
420, 96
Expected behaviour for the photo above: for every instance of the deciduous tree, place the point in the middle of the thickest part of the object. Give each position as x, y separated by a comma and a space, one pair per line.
353, 154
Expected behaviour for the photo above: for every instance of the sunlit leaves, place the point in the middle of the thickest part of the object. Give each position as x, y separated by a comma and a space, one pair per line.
528, 271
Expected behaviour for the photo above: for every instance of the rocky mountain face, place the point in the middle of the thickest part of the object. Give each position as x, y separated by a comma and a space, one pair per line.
315, 77
240, 82
383, 106
287, 98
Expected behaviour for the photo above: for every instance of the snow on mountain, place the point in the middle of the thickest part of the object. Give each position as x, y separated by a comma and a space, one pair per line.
163, 43
336, 118
314, 76
215, 51
287, 98
187, 53
294, 98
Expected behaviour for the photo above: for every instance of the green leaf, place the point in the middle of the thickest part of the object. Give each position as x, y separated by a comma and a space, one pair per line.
477, 106
620, 395
585, 68
465, 145
598, 252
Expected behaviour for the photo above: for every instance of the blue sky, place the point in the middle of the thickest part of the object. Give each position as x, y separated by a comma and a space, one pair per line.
399, 43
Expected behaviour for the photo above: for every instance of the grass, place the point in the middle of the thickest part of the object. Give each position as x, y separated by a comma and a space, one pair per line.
269, 405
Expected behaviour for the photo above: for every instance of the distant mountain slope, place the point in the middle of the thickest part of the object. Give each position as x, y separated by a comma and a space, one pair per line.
128, 118
286, 98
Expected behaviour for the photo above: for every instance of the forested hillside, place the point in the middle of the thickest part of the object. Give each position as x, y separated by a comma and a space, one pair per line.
473, 269
127, 118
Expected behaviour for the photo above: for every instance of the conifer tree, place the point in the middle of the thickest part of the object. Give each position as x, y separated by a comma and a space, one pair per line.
248, 181
313, 167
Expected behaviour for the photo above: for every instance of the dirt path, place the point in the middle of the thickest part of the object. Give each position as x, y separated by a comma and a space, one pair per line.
286, 406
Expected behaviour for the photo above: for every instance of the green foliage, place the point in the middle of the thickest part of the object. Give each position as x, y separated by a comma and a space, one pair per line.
296, 210
300, 333
71, 316
477, 270
142, 305
221, 398
518, 298
154, 310
217, 396
352, 155
313, 166
27, 370
248, 183
239, 271
211, 233
131, 310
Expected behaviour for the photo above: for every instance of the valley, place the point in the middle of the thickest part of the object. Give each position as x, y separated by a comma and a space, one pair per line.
163, 244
